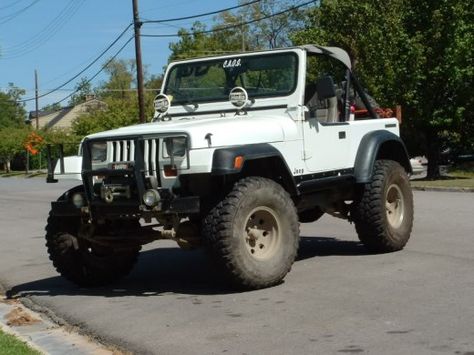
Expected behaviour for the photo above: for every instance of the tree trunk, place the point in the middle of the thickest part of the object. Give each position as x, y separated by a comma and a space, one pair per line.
433, 155
7, 166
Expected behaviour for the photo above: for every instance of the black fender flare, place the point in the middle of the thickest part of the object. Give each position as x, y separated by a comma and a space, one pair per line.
63, 206
223, 160
379, 144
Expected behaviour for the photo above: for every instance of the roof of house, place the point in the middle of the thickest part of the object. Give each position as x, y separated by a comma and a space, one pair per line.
64, 117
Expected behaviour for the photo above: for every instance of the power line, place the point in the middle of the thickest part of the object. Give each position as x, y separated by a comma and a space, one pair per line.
46, 33
202, 15
164, 35
83, 70
17, 13
14, 3
233, 26
100, 70
179, 25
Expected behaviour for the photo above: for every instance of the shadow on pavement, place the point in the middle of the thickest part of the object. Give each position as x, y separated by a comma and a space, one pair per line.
325, 246
171, 270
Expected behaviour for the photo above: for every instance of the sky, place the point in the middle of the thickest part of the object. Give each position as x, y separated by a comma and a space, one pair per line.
59, 38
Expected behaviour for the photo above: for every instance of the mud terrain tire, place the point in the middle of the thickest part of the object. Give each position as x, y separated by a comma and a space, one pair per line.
254, 233
383, 214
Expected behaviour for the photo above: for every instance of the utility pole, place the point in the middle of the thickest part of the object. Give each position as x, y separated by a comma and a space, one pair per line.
36, 99
138, 57
242, 32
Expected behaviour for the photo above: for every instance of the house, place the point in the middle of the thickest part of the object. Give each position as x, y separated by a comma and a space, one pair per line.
64, 117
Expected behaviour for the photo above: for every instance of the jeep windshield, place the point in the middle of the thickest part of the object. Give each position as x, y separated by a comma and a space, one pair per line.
263, 75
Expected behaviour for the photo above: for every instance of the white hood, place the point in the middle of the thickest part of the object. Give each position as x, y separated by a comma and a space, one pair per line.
225, 131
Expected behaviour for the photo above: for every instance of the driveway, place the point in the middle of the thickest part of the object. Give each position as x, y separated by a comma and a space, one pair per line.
337, 299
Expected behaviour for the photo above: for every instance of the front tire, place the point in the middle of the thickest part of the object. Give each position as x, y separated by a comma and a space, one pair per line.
383, 215
254, 233
84, 263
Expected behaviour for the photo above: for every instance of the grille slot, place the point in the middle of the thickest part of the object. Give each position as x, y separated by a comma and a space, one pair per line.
124, 150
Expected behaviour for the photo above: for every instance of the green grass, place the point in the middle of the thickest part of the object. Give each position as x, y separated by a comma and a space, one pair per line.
11, 345
11, 173
454, 179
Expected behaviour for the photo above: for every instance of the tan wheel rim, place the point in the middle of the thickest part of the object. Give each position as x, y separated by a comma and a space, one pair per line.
262, 233
394, 206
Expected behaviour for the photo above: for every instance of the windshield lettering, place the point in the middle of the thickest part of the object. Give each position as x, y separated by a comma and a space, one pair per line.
231, 63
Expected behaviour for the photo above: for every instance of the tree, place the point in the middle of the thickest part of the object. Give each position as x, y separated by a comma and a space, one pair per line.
121, 77
196, 43
268, 31
261, 34
82, 90
444, 101
118, 113
409, 52
51, 107
120, 97
12, 113
11, 143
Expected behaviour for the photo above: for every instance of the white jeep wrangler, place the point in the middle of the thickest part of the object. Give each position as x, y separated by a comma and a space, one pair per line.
241, 150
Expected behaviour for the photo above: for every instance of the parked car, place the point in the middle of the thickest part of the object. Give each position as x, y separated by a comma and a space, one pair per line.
418, 164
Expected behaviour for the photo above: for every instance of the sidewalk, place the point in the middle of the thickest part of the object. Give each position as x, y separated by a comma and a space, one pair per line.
43, 335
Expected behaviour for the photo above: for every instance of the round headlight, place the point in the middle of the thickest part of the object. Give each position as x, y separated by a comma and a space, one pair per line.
78, 200
162, 103
151, 198
176, 146
98, 152
238, 97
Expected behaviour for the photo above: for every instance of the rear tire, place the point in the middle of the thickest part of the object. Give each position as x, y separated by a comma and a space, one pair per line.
253, 233
383, 215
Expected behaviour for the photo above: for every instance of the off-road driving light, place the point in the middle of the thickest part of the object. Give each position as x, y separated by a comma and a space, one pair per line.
78, 200
238, 97
151, 198
161, 103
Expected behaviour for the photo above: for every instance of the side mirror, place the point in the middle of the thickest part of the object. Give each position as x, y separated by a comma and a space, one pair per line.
325, 88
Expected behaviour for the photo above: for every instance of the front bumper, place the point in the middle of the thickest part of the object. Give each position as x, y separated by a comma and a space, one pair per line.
116, 191
184, 206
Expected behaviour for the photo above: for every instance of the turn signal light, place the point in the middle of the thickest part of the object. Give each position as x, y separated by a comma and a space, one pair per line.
170, 170
238, 162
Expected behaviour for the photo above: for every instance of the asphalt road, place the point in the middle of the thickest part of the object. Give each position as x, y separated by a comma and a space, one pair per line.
337, 298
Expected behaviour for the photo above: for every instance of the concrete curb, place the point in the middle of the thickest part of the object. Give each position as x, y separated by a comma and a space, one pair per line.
43, 334
443, 189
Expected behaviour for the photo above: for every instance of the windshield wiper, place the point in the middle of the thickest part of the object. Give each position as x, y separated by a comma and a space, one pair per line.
187, 99
194, 104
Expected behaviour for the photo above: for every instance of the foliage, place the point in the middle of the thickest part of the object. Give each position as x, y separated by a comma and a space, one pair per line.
11, 143
119, 113
444, 111
12, 113
409, 52
51, 107
121, 77
271, 32
120, 98
61, 136
196, 43
268, 33
82, 90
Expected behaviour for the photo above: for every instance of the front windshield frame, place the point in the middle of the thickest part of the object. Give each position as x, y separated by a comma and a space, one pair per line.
167, 90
